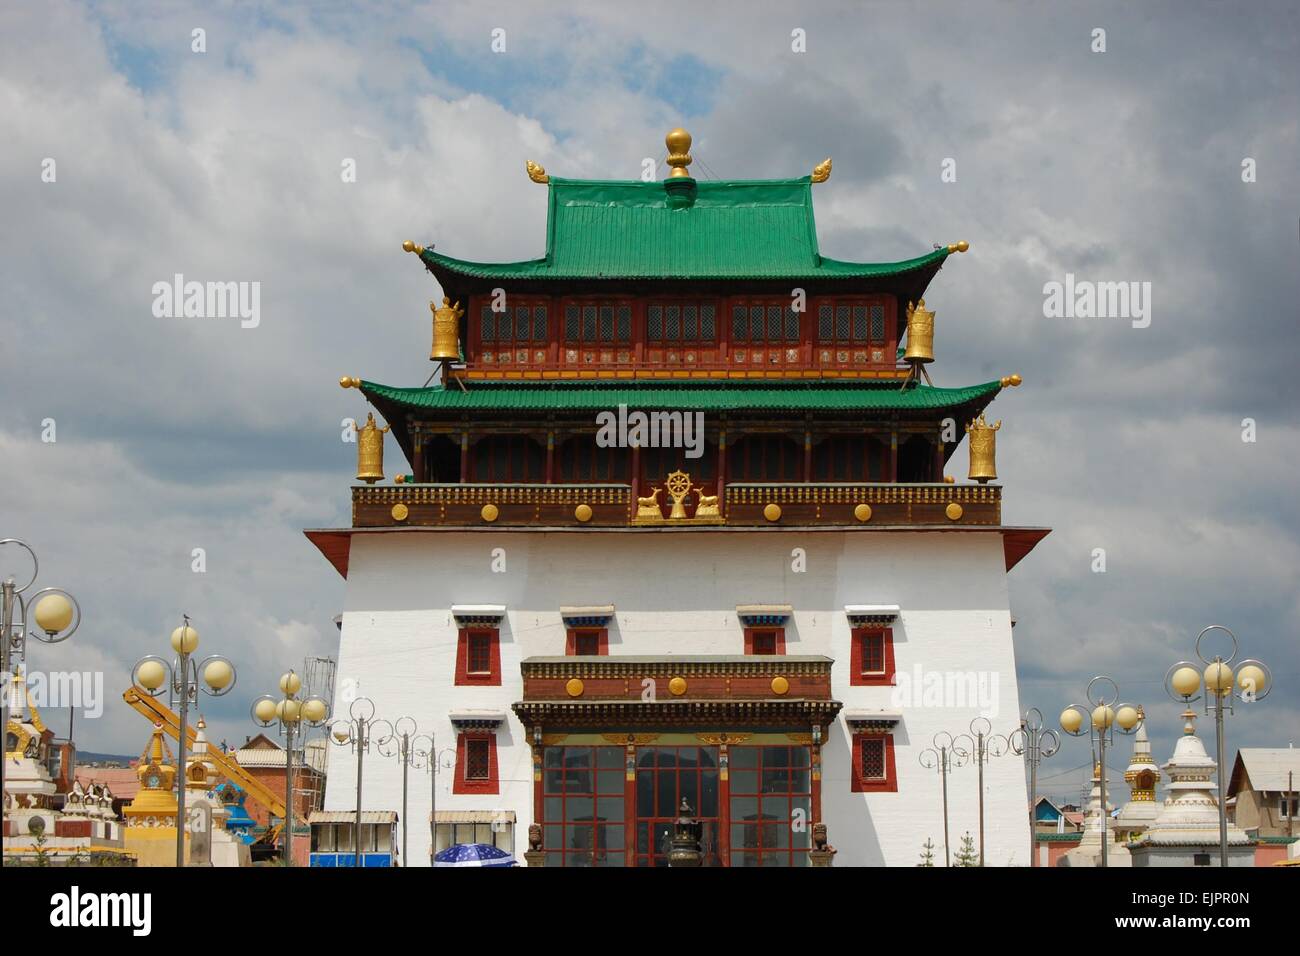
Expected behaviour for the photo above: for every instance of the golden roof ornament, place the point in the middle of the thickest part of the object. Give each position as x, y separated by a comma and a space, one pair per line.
920, 333
983, 449
446, 331
409, 246
822, 171
535, 172
960, 246
678, 142
370, 450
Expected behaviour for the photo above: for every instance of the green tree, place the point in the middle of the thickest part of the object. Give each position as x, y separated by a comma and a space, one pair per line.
927, 854
967, 855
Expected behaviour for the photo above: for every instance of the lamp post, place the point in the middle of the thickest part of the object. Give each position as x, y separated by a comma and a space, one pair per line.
1035, 744
356, 732
984, 744
1252, 682
289, 712
943, 756
181, 678
404, 729
431, 759
55, 613
1103, 717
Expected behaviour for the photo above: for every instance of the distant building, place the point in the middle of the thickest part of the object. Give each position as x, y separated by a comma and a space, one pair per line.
1263, 785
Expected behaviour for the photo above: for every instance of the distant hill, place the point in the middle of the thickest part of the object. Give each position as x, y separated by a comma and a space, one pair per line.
87, 756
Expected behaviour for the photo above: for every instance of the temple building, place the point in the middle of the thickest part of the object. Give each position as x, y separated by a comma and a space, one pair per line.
674, 528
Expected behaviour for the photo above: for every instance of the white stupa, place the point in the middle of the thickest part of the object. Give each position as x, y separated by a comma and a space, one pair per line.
1141, 776
1096, 827
1185, 831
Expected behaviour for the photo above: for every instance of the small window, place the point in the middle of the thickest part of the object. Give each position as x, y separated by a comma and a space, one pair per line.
765, 641
587, 642
478, 657
872, 756
871, 658
477, 760
873, 763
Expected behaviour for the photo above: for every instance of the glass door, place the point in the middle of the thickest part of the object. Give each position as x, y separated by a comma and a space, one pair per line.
664, 777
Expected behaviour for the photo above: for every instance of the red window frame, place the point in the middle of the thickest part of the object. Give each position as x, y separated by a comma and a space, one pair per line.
861, 782
753, 635
592, 337
492, 676
463, 783
855, 336
599, 634
681, 341
509, 319
859, 657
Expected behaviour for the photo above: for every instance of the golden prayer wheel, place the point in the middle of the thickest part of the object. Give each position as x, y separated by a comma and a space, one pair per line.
920, 333
370, 451
983, 449
446, 330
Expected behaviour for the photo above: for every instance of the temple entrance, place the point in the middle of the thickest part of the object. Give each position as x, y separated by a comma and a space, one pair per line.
757, 812
664, 777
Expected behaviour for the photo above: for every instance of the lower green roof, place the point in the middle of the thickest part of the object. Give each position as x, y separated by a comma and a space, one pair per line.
561, 396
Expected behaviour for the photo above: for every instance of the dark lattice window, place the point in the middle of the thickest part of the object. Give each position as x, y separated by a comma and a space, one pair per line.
873, 653
681, 324
477, 759
480, 654
872, 755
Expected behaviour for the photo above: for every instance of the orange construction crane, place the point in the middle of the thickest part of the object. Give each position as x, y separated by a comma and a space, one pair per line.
159, 713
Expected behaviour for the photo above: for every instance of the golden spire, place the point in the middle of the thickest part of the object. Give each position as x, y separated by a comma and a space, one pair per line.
678, 142
822, 171
536, 173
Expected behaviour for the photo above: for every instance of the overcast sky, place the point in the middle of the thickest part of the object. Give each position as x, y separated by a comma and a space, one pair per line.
1122, 166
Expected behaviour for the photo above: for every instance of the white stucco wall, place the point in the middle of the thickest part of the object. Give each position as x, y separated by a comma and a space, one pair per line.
676, 593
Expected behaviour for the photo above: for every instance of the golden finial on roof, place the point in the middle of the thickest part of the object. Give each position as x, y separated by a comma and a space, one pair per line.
1010, 381
409, 246
349, 381
822, 171
535, 172
960, 246
678, 142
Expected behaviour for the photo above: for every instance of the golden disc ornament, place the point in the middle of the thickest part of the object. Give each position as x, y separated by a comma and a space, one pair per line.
862, 512
582, 512
772, 512
489, 513
780, 686
677, 686
574, 687
953, 511
400, 512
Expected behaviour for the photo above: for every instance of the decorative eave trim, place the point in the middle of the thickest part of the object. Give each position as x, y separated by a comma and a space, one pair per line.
871, 615
613, 714
587, 616
476, 719
872, 721
757, 615
478, 615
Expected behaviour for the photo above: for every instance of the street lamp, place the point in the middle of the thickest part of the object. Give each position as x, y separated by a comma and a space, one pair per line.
357, 732
984, 744
429, 758
1035, 744
1252, 683
1103, 717
943, 756
181, 678
289, 712
55, 613
404, 729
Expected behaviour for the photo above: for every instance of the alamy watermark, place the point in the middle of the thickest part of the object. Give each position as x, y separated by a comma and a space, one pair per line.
1084, 299
964, 689
639, 429
179, 299
76, 689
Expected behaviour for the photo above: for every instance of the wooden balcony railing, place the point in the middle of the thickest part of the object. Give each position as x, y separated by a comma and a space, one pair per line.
753, 504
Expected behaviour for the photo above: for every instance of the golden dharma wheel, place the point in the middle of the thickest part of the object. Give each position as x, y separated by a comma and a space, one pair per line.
953, 511
489, 513
677, 686
772, 512
862, 512
582, 512
574, 687
780, 686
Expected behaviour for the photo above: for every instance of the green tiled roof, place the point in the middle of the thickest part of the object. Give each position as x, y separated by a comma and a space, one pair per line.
693, 397
759, 229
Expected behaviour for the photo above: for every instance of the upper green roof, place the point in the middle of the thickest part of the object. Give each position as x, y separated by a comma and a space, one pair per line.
696, 396
755, 229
